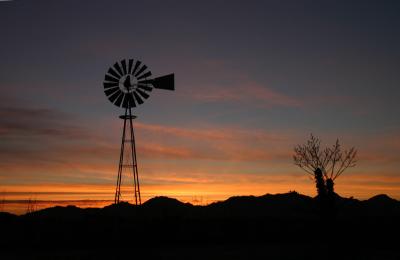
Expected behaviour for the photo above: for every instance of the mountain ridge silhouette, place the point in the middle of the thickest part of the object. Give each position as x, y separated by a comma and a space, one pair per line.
274, 221
274, 204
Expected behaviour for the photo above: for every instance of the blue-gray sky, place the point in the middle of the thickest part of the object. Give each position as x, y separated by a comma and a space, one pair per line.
253, 79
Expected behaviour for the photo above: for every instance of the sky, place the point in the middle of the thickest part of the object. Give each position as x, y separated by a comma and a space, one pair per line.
252, 80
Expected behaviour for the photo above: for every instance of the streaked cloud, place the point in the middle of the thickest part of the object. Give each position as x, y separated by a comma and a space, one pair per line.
25, 121
249, 93
214, 132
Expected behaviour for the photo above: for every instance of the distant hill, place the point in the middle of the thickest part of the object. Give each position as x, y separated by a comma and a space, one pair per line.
291, 204
242, 221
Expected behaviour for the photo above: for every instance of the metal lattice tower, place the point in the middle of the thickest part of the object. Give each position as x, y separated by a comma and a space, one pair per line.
128, 139
127, 84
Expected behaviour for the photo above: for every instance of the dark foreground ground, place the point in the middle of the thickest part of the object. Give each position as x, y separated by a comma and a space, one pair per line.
283, 226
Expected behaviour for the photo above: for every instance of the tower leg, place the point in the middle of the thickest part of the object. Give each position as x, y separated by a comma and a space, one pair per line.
121, 162
134, 164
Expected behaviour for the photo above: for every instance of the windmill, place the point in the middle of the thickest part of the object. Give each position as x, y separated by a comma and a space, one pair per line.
127, 84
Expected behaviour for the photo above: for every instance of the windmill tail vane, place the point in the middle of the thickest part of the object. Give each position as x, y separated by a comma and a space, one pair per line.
164, 82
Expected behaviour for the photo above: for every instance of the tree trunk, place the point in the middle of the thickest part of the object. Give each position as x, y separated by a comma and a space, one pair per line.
320, 183
331, 198
330, 187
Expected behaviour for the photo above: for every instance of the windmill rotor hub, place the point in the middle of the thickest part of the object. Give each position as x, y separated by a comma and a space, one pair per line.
128, 83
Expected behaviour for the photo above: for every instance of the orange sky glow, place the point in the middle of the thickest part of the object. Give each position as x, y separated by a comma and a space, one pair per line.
199, 166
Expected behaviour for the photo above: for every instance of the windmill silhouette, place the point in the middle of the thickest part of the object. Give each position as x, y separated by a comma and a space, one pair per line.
127, 84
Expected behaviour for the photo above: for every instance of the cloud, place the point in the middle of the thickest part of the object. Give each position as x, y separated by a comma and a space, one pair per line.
156, 150
213, 143
41, 159
213, 133
37, 143
227, 82
203, 159
248, 93
29, 122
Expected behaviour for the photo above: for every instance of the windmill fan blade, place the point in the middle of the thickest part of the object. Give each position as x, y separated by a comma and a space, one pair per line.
138, 99
114, 96
110, 85
142, 93
128, 101
147, 81
141, 70
130, 66
123, 63
145, 87
147, 74
165, 82
112, 79
118, 68
136, 67
110, 91
125, 102
131, 100
113, 73
119, 99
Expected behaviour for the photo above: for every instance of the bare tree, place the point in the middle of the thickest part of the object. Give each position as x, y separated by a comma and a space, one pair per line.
331, 161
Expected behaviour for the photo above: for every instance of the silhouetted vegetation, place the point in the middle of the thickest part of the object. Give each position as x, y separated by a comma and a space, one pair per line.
2, 201
325, 165
31, 205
